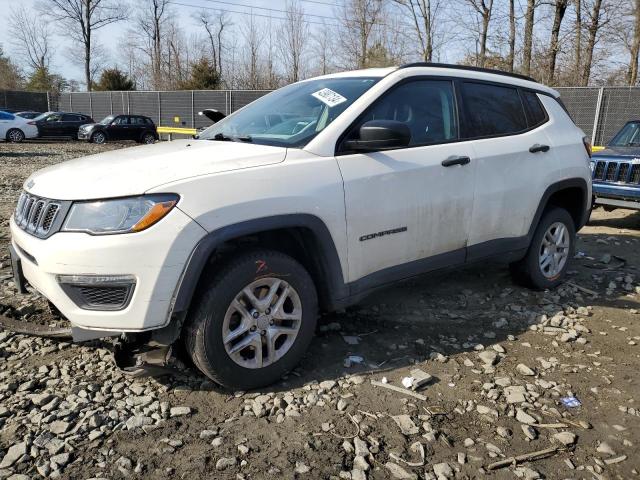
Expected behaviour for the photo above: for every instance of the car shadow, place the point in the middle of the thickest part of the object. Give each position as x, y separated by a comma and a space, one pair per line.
443, 314
28, 154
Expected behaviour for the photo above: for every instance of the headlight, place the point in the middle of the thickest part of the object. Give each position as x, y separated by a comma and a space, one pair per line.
592, 166
119, 215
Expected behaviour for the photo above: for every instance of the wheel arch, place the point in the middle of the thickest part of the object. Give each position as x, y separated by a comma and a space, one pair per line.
570, 194
303, 236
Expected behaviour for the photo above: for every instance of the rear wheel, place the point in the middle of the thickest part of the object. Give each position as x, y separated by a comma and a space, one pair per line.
148, 138
253, 320
98, 138
15, 135
551, 248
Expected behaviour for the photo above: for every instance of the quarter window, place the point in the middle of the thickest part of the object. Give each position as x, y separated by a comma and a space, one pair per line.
427, 107
492, 110
533, 108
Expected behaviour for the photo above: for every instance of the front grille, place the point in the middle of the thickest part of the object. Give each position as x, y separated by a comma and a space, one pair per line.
617, 172
37, 215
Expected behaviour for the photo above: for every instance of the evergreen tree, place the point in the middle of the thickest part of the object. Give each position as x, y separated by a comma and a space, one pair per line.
113, 79
10, 78
203, 76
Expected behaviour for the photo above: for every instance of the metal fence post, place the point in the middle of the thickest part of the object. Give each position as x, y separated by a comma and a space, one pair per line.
48, 103
128, 104
596, 119
110, 103
193, 111
90, 104
159, 109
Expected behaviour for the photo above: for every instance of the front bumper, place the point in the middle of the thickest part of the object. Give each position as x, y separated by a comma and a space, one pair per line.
621, 196
154, 257
82, 135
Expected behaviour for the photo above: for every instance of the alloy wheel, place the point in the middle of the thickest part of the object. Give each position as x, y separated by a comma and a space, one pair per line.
16, 136
262, 323
554, 250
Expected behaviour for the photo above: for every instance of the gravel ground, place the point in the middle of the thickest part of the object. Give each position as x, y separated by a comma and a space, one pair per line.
498, 361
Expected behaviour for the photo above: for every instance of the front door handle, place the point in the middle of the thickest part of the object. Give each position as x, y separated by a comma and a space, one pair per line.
539, 148
449, 162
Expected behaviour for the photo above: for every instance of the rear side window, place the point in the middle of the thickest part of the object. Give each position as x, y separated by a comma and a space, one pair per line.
536, 114
70, 118
137, 120
6, 116
492, 110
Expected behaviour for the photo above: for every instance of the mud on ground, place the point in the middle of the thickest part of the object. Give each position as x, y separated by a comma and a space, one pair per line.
501, 358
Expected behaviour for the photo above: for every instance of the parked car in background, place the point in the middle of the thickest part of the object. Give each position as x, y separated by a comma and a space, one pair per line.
60, 124
15, 129
29, 114
120, 127
616, 170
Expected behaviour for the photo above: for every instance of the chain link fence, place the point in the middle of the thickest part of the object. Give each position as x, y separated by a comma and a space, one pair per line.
599, 112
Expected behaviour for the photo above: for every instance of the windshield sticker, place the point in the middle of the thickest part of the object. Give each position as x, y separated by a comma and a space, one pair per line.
329, 97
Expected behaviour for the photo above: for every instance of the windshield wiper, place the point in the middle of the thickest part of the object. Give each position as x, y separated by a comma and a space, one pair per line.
245, 138
222, 137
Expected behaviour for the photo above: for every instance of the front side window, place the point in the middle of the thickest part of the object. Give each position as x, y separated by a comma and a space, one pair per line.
120, 121
629, 136
56, 117
492, 110
293, 115
427, 107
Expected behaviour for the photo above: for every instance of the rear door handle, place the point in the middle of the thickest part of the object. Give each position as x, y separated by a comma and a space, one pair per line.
449, 162
539, 148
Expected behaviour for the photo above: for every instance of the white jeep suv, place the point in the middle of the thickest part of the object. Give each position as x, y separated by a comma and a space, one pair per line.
309, 198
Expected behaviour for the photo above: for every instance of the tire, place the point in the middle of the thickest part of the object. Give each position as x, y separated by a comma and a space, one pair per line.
15, 135
529, 271
98, 138
215, 314
148, 138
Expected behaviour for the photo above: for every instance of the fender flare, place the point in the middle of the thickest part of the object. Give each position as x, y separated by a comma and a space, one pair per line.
329, 261
577, 182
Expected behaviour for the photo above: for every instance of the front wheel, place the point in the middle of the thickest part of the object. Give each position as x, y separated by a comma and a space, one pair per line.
15, 135
99, 138
253, 321
550, 251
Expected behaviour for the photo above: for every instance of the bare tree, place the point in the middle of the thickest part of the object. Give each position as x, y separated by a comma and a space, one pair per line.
150, 22
357, 19
528, 36
512, 36
560, 9
31, 38
251, 35
323, 49
578, 41
81, 18
424, 17
595, 23
294, 34
484, 8
634, 50
215, 27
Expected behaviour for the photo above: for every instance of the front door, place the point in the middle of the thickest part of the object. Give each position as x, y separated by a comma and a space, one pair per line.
117, 130
412, 204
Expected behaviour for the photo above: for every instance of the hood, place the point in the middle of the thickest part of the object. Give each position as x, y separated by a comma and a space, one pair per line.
618, 152
133, 171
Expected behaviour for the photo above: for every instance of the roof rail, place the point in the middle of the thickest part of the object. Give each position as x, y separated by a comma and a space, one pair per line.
469, 68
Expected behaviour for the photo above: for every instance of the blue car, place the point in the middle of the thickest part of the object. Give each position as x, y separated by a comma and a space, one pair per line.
616, 170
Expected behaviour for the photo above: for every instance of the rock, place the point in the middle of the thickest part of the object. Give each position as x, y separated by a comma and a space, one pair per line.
527, 473
301, 468
468, 442
41, 398
483, 410
420, 378
13, 454
529, 432
515, 394
360, 463
243, 449
62, 459
399, 473
207, 434
327, 385
179, 411
524, 417
138, 421
524, 370
407, 427
226, 462
443, 471
216, 442
605, 448
565, 438
59, 427
488, 357
361, 448
342, 405
503, 432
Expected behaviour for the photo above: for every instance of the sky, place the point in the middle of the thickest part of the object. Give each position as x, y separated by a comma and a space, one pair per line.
110, 35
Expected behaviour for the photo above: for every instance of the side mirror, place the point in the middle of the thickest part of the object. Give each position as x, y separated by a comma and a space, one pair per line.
381, 135
212, 114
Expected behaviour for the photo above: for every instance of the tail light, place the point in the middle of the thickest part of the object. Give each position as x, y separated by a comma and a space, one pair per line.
587, 146
31, 123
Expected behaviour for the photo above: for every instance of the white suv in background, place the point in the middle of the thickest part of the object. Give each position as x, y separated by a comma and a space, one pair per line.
309, 198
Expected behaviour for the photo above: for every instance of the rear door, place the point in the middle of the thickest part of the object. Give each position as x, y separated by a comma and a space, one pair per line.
513, 157
5, 123
409, 209
70, 125
136, 127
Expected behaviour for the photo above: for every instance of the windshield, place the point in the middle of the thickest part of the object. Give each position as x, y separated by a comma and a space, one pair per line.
293, 115
629, 136
107, 120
